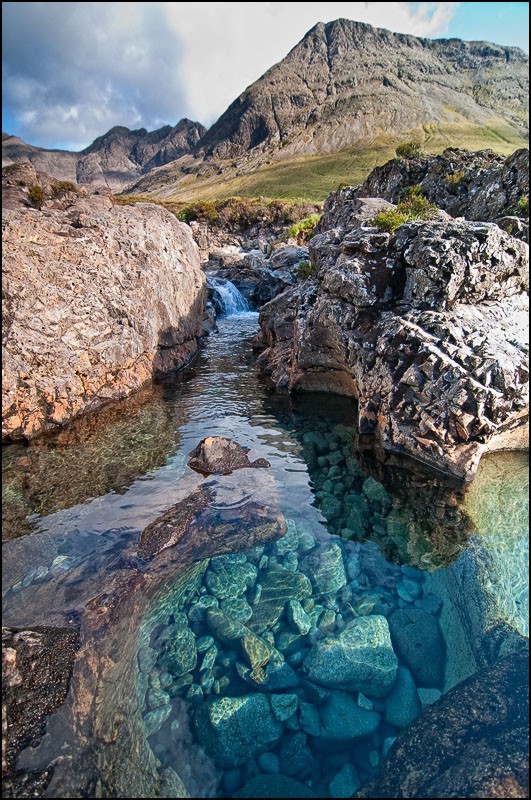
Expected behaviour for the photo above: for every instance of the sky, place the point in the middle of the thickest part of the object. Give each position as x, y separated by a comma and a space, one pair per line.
71, 71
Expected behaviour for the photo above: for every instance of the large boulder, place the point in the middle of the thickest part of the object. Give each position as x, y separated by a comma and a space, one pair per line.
235, 729
472, 742
426, 327
97, 299
360, 658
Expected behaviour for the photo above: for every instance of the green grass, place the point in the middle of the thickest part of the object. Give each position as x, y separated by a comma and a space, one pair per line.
309, 179
413, 208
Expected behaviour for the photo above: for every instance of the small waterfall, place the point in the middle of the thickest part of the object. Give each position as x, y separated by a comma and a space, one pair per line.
225, 296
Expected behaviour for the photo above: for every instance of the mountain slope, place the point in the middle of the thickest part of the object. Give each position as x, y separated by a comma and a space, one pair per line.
347, 83
116, 158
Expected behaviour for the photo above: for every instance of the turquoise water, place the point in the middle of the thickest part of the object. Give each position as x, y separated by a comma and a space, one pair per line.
297, 660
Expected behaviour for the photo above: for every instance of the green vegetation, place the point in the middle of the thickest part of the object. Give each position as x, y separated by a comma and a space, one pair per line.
306, 270
303, 230
36, 196
409, 150
455, 177
413, 208
61, 187
523, 206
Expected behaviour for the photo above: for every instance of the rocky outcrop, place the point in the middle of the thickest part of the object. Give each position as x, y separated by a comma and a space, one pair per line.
470, 743
346, 82
114, 159
478, 186
97, 299
220, 456
426, 327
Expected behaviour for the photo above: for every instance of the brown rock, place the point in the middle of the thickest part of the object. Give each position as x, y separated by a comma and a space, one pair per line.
97, 298
218, 455
473, 742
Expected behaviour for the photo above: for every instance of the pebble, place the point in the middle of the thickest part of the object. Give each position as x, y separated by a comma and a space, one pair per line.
387, 744
204, 643
309, 718
269, 763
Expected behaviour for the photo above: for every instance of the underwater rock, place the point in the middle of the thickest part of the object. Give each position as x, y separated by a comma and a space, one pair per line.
220, 456
419, 641
238, 609
284, 705
360, 658
342, 719
274, 786
402, 704
279, 585
180, 654
269, 763
346, 782
230, 580
235, 729
298, 617
325, 568
295, 755
171, 526
154, 720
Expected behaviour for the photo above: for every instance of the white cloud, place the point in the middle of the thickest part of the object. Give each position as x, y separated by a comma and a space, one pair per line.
227, 46
73, 70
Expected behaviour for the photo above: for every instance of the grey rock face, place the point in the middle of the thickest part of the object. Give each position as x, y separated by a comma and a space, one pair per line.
346, 79
427, 328
114, 159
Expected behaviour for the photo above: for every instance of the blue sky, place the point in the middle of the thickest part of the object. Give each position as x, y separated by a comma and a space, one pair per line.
71, 71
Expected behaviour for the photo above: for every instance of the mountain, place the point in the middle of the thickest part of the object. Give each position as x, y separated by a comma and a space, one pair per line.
116, 158
347, 84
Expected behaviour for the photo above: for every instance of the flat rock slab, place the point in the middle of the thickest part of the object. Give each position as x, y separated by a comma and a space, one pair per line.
220, 456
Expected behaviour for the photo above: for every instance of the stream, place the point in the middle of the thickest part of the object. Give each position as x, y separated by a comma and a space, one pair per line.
244, 677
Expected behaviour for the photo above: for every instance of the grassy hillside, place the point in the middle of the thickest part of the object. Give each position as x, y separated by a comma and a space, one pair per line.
310, 178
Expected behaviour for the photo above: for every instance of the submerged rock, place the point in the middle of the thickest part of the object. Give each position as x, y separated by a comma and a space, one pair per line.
343, 720
235, 729
274, 786
419, 641
218, 455
360, 658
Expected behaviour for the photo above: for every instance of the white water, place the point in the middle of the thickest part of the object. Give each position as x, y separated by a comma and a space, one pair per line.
228, 298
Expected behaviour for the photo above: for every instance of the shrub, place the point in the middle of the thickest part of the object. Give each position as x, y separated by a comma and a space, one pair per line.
60, 187
305, 270
303, 230
36, 196
409, 150
523, 206
455, 177
414, 207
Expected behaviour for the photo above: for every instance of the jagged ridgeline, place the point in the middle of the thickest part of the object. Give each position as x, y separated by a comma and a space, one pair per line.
335, 107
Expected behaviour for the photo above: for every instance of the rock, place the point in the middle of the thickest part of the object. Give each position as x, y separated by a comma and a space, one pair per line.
342, 719
324, 566
229, 581
279, 585
428, 696
180, 653
220, 456
274, 786
256, 651
345, 782
310, 719
129, 306
238, 609
473, 742
114, 159
295, 755
269, 763
359, 658
154, 720
402, 704
284, 705
298, 617
418, 640
452, 297
171, 526
235, 729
